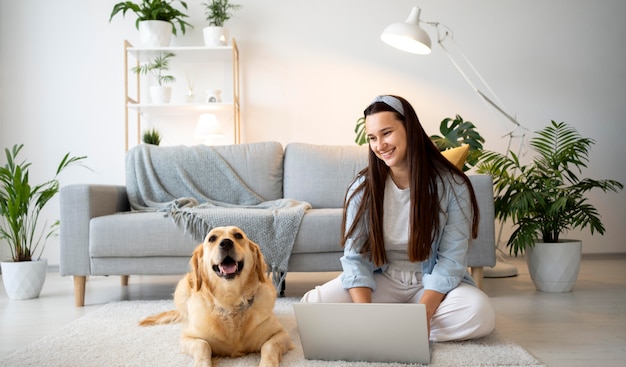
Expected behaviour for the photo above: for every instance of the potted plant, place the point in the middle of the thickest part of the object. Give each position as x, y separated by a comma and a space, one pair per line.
544, 199
217, 12
21, 203
156, 20
152, 136
162, 92
456, 132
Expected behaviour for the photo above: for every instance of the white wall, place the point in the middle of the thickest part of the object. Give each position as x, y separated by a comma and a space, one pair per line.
310, 67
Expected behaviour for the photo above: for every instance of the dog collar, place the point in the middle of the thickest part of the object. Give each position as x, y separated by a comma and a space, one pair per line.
243, 306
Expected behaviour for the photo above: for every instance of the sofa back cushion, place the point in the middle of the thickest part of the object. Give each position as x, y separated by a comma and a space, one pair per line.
259, 165
321, 174
162, 174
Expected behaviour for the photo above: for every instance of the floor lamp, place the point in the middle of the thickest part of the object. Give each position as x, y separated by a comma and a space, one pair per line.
410, 37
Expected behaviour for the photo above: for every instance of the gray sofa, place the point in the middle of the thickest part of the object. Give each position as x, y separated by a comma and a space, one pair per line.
100, 235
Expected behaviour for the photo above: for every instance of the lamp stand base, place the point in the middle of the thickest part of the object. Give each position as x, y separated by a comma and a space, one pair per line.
500, 270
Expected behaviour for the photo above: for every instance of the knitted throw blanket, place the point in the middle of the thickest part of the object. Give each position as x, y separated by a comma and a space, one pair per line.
199, 190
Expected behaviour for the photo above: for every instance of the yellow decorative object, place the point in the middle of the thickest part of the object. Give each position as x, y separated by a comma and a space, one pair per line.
457, 155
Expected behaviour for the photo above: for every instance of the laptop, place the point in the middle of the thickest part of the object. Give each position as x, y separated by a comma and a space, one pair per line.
370, 332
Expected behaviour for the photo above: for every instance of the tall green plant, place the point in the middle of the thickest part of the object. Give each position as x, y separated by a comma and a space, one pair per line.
456, 132
545, 198
156, 67
21, 203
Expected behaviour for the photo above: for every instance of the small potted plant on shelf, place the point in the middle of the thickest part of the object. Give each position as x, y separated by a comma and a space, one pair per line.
162, 92
544, 199
156, 20
152, 136
21, 203
217, 12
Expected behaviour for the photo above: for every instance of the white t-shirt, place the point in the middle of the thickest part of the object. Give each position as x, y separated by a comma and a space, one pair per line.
396, 222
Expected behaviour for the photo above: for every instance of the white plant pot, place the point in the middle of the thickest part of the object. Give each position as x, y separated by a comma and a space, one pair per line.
24, 279
215, 36
160, 94
155, 33
554, 267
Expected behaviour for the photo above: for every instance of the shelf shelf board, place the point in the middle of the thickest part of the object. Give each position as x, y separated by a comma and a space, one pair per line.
190, 53
182, 108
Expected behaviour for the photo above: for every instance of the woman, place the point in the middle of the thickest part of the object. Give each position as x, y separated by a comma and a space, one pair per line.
407, 222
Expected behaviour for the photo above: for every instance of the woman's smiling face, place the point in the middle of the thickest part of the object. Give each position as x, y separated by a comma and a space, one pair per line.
387, 138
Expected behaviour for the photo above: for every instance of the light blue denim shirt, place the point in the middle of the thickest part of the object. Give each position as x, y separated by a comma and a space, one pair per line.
446, 266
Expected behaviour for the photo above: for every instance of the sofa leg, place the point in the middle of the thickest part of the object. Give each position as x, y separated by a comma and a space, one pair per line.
477, 274
124, 280
282, 286
79, 290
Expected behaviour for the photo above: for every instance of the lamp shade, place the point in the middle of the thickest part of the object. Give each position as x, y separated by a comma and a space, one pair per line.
408, 36
208, 127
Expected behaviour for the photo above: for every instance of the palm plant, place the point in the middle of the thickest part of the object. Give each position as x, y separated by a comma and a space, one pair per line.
219, 11
154, 10
546, 197
21, 204
156, 67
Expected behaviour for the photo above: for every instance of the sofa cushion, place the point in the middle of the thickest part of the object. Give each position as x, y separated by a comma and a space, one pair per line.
321, 174
147, 234
484, 253
320, 231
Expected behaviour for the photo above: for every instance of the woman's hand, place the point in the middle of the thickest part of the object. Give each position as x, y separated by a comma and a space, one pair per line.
431, 299
361, 295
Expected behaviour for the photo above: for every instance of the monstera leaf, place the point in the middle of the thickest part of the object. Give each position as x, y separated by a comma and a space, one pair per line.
457, 132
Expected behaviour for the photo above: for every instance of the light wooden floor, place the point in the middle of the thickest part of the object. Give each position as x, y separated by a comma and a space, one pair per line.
586, 327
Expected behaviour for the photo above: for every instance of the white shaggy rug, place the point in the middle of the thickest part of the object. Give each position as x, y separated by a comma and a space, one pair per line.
110, 336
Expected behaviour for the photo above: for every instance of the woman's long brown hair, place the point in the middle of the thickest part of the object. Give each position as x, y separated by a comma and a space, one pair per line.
427, 166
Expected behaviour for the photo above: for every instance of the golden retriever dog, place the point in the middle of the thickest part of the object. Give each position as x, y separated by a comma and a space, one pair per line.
226, 302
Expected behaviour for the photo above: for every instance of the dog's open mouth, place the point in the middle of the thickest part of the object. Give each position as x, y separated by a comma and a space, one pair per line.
229, 268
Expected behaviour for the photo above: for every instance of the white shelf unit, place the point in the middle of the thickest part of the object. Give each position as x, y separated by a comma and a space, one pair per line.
196, 54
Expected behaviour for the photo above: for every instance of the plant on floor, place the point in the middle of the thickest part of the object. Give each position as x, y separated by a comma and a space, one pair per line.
456, 132
156, 67
162, 10
21, 203
217, 12
545, 198
152, 136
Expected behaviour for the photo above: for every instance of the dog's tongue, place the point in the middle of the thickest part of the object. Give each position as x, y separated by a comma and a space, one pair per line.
228, 268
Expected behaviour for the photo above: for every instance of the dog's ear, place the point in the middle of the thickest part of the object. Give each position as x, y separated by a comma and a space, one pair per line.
261, 266
196, 267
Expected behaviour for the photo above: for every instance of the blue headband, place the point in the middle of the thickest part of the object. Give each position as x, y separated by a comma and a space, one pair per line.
390, 101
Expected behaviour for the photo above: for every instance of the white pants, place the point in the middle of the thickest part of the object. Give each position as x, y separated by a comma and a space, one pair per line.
465, 313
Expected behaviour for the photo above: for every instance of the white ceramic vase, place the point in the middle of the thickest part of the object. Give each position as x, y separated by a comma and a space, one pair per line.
24, 279
160, 94
554, 267
215, 36
155, 33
